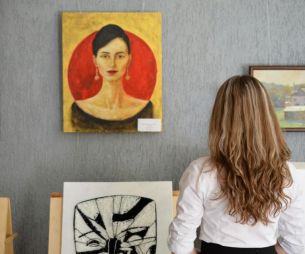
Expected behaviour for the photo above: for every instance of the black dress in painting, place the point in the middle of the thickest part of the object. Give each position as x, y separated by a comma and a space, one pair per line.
85, 122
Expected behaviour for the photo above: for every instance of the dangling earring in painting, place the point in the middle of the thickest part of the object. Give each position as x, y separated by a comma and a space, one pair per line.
127, 77
96, 77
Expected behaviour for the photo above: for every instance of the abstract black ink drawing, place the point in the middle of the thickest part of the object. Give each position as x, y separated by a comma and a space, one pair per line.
119, 224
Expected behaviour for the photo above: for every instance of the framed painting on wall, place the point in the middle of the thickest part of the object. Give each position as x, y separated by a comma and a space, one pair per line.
286, 87
118, 217
112, 72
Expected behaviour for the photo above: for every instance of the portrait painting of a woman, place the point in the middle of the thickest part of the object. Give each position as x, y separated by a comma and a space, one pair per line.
112, 78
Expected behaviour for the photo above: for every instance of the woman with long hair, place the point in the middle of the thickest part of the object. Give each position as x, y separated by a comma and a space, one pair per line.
245, 195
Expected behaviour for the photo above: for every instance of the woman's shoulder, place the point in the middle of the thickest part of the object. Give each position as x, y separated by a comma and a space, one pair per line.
298, 178
200, 169
203, 165
201, 176
292, 168
297, 175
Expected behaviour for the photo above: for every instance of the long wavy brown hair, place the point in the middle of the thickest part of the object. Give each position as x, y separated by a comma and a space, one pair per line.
248, 151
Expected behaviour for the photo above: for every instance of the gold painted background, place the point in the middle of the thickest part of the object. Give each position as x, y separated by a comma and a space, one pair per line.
77, 26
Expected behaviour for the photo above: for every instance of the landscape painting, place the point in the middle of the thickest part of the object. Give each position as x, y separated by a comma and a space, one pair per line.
286, 87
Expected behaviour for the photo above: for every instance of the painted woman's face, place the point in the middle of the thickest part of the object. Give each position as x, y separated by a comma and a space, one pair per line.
113, 59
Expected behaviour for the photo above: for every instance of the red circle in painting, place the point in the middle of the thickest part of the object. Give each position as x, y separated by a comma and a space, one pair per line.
142, 70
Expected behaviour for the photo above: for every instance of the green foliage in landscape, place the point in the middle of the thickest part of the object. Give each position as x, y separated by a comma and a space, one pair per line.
284, 123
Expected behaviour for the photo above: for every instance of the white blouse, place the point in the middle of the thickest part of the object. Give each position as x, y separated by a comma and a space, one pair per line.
198, 185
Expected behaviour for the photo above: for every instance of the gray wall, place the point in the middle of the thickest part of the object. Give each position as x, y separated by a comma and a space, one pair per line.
204, 42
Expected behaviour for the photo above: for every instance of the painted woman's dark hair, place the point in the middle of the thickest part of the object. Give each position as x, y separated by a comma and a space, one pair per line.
106, 35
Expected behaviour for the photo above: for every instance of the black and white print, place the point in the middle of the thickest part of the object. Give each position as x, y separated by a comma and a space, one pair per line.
118, 224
